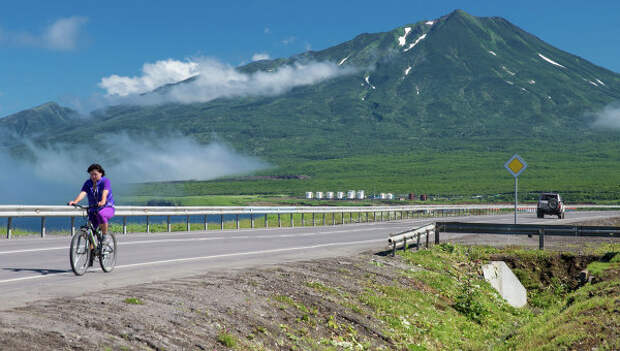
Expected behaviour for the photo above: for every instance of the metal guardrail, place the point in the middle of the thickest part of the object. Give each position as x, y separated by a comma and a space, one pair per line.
399, 240
379, 213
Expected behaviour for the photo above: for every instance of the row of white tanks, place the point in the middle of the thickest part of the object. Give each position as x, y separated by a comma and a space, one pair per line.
339, 195
350, 195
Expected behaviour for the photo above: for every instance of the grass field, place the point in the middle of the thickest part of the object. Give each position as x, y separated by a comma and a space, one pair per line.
592, 174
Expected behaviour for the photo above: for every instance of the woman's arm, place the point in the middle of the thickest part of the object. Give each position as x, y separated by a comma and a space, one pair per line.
104, 198
78, 198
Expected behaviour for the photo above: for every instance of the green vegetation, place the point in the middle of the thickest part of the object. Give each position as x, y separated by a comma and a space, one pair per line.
133, 301
441, 302
584, 175
227, 339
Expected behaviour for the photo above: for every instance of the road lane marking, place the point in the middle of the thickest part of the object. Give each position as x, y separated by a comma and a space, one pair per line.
187, 259
211, 238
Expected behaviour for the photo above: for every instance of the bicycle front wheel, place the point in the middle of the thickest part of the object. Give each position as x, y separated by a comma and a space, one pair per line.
79, 252
107, 259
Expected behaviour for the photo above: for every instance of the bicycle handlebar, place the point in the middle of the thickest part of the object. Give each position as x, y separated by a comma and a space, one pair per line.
85, 207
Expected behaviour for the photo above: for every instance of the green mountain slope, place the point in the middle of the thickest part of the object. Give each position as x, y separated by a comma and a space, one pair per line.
456, 83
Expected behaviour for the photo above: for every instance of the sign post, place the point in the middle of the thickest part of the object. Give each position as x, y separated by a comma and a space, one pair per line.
515, 165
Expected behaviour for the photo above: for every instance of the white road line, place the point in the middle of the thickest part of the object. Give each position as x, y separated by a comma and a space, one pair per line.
212, 238
235, 254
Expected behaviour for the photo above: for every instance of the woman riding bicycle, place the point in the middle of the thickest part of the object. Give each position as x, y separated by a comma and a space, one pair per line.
100, 198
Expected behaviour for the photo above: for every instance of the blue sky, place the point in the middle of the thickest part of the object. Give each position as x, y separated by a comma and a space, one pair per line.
60, 51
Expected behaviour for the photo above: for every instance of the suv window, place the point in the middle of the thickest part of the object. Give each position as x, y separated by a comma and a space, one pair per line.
548, 196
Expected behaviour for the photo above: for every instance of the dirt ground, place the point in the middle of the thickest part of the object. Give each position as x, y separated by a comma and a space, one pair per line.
271, 307
192, 313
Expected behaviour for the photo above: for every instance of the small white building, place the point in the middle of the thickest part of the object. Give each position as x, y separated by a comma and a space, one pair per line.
329, 195
390, 196
309, 194
340, 195
361, 195
382, 196
319, 195
351, 195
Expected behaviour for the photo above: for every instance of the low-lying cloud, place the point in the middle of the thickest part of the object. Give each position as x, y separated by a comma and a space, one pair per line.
64, 34
260, 56
608, 117
212, 79
55, 174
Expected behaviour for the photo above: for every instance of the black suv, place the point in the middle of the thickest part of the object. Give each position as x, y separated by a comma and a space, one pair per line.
550, 204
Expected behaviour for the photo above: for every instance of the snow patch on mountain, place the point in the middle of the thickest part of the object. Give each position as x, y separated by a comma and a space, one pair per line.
531, 81
402, 40
415, 42
367, 79
407, 70
508, 71
343, 60
550, 60
430, 23
600, 82
509, 82
492, 53
417, 90
591, 82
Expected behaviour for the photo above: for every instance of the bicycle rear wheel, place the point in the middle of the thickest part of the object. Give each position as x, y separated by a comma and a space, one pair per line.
79, 252
107, 258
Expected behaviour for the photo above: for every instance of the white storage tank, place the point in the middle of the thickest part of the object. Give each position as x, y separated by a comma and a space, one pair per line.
382, 196
340, 195
329, 195
390, 196
309, 194
361, 195
319, 195
351, 194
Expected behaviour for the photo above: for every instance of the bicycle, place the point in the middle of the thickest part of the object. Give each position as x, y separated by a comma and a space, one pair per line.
88, 243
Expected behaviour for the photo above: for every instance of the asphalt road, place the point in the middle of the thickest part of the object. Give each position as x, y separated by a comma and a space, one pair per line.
33, 268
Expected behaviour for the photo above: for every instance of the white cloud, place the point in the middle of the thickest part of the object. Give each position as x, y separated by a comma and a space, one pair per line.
63, 34
153, 75
267, 30
55, 173
214, 79
288, 40
260, 56
608, 117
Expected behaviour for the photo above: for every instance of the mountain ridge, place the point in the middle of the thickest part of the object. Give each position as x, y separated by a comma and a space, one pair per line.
458, 79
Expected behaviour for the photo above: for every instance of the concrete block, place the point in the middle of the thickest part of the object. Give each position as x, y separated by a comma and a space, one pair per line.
501, 278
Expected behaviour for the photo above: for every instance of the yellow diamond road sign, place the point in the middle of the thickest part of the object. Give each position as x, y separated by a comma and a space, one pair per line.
515, 165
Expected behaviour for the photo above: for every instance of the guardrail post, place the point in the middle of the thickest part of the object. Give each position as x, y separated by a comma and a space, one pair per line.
324, 214
350, 217
187, 224
169, 225
252, 220
292, 220
303, 220
417, 246
367, 217
205, 221
313, 221
9, 230
221, 222
42, 227
72, 226
237, 221
405, 244
279, 221
393, 249
374, 216
541, 239
428, 233
124, 224
148, 224
266, 221
342, 218
436, 234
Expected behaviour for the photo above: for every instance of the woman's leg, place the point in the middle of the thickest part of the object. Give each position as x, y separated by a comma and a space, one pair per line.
104, 216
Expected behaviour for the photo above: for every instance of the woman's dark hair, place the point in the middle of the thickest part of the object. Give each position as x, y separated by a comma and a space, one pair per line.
96, 167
